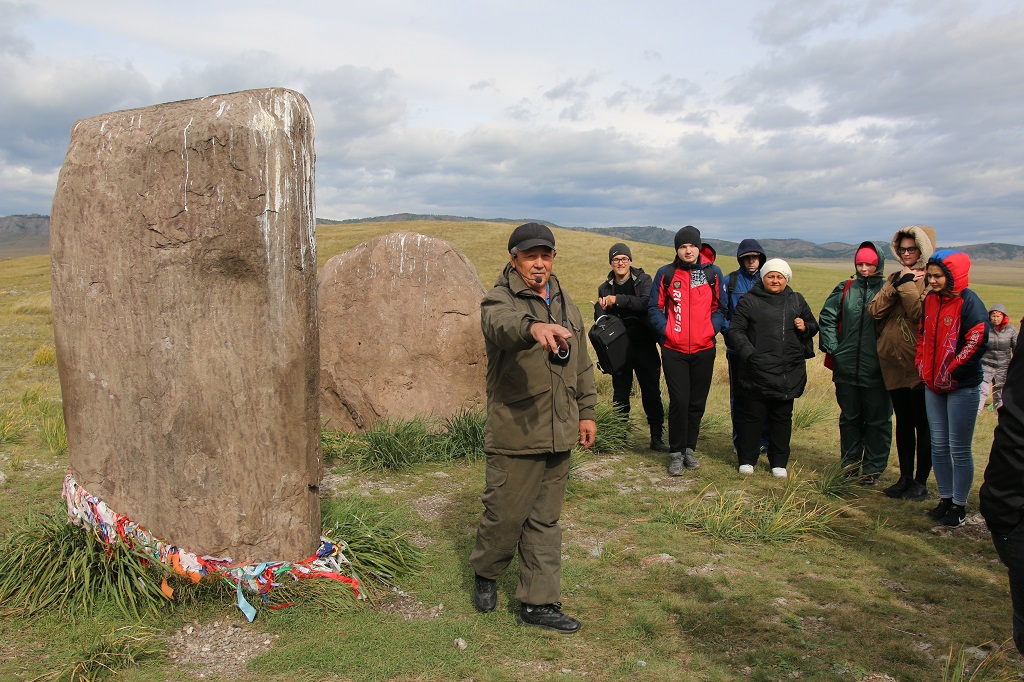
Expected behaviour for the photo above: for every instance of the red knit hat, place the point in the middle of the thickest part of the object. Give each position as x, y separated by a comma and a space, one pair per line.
866, 254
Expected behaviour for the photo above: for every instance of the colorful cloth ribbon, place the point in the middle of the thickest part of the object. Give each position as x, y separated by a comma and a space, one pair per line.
89, 511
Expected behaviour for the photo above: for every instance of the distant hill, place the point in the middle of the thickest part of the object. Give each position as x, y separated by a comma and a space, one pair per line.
799, 248
29, 234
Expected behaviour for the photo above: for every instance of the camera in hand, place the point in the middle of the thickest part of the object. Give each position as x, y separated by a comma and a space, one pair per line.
560, 356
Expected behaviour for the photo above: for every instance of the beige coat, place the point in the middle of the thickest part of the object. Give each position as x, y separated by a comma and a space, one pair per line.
897, 308
533, 405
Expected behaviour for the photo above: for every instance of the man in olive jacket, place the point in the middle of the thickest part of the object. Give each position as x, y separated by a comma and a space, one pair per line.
540, 401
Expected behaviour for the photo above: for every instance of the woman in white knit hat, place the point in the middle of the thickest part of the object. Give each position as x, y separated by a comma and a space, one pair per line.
772, 331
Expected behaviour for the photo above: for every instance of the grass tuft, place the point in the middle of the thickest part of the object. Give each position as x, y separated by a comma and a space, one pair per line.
612, 430
775, 517
464, 432
52, 564
45, 356
13, 423
122, 649
834, 482
55, 434
376, 549
807, 413
958, 666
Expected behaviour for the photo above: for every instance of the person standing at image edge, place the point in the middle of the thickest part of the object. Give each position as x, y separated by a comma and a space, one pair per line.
625, 294
897, 310
951, 341
1002, 342
684, 312
849, 335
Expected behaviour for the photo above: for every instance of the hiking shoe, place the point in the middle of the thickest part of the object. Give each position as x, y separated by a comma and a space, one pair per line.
675, 464
867, 479
955, 516
917, 492
899, 487
941, 508
746, 469
485, 594
689, 461
780, 472
658, 445
548, 616
852, 473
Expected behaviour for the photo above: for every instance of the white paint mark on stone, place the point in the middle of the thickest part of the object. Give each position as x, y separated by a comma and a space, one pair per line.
184, 155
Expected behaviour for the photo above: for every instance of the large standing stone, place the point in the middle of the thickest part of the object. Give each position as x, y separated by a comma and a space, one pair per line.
399, 332
184, 311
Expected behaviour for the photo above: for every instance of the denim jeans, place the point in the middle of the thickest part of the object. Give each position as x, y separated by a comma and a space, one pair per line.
951, 418
1010, 547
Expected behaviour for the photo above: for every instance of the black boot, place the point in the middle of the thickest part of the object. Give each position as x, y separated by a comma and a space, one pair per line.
657, 444
899, 487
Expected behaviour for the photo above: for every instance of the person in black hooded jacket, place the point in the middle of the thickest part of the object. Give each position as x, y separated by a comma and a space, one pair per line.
770, 332
1002, 494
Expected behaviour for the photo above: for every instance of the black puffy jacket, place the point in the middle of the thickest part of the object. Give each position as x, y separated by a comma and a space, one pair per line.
765, 338
1002, 494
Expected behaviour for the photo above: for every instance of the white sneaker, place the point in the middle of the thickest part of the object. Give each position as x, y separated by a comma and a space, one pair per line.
779, 472
746, 468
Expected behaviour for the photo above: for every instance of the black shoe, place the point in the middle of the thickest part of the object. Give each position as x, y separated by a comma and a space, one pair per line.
548, 616
941, 508
485, 594
658, 445
867, 479
954, 517
899, 487
917, 492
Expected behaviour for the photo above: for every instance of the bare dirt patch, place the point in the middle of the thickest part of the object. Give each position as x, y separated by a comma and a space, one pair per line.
407, 607
222, 648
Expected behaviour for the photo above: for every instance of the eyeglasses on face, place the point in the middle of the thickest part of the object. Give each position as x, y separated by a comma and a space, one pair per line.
620, 260
906, 249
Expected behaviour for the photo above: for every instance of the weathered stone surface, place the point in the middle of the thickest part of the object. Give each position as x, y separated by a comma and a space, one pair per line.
184, 309
399, 332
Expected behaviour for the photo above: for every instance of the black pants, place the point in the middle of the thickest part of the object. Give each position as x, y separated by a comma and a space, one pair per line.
688, 377
1010, 547
913, 437
735, 404
755, 411
646, 363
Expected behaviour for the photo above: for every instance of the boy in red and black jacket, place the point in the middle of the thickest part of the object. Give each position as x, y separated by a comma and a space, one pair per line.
684, 312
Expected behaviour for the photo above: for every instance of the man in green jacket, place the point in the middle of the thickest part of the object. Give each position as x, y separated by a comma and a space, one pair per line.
540, 401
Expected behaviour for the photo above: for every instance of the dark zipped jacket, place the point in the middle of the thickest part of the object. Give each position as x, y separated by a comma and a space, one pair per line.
631, 308
766, 340
739, 282
533, 406
954, 329
854, 348
1002, 493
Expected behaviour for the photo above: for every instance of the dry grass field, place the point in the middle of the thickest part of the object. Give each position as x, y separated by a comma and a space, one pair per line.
687, 578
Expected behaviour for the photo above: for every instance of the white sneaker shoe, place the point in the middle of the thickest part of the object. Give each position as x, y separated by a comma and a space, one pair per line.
779, 472
746, 468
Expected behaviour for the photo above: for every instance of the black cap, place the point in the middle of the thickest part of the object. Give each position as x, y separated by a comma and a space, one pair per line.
687, 235
619, 249
530, 235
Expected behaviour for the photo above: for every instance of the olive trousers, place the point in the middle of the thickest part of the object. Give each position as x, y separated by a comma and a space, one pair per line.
522, 499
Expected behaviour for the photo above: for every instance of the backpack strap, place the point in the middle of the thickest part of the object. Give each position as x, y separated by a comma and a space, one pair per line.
734, 278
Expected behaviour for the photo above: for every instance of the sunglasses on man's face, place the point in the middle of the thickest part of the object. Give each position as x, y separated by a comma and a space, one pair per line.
906, 249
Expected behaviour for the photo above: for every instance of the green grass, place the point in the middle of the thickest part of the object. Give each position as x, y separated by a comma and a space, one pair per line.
104, 658
886, 598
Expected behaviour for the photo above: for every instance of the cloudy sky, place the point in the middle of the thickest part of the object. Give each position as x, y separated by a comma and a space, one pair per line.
821, 119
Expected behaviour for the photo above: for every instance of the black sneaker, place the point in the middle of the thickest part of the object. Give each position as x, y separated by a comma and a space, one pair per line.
485, 594
898, 488
548, 616
658, 445
941, 508
917, 492
954, 517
